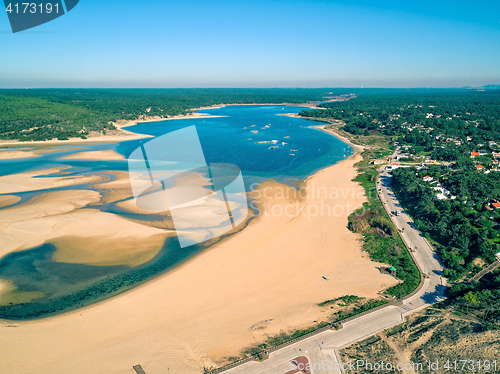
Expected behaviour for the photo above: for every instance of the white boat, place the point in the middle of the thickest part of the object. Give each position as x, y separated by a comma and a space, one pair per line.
274, 141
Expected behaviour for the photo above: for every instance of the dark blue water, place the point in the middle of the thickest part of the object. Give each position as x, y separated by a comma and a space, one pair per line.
225, 139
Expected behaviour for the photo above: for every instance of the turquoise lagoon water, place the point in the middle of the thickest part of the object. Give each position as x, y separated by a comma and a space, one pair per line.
225, 139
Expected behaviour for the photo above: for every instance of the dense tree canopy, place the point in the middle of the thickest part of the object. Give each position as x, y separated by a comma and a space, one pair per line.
442, 127
63, 113
444, 113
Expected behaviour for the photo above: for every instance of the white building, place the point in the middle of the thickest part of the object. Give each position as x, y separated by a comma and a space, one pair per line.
427, 178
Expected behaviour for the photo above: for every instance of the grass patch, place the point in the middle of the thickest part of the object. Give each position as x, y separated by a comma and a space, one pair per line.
347, 300
371, 304
381, 239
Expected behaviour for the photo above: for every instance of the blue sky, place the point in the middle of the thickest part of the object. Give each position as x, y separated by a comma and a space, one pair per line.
272, 43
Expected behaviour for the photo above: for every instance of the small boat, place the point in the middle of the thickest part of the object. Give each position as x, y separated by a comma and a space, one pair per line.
254, 131
273, 147
283, 143
291, 154
286, 137
274, 141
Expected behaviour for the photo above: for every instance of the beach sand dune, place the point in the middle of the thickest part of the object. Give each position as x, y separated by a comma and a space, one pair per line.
208, 309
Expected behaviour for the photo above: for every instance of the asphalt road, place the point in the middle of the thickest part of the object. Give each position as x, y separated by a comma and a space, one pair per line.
322, 349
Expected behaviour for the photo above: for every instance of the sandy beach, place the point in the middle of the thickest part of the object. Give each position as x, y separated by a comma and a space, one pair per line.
107, 155
17, 154
7, 200
81, 236
122, 124
123, 136
41, 180
357, 147
267, 278
118, 135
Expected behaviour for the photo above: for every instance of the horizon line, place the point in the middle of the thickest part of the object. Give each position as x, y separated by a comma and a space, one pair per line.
249, 87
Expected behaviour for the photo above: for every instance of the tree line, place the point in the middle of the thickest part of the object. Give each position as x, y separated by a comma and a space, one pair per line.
63, 113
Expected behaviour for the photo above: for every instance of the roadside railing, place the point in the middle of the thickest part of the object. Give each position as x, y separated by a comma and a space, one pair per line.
332, 326
338, 324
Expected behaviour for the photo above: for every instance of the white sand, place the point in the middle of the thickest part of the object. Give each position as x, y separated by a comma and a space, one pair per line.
13, 155
81, 236
207, 309
7, 200
123, 123
122, 135
34, 181
107, 155
119, 135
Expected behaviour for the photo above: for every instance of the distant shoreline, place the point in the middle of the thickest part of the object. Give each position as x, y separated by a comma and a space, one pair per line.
212, 317
124, 135
357, 148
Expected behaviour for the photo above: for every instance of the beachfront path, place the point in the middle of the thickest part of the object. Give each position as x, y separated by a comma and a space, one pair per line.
321, 349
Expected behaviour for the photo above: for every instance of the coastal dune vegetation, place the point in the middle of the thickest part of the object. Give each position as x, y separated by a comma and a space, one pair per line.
45, 114
449, 182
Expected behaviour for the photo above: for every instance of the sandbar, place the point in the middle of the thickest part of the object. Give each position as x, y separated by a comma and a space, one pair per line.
35, 180
10, 294
269, 275
8, 200
108, 155
14, 155
85, 236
